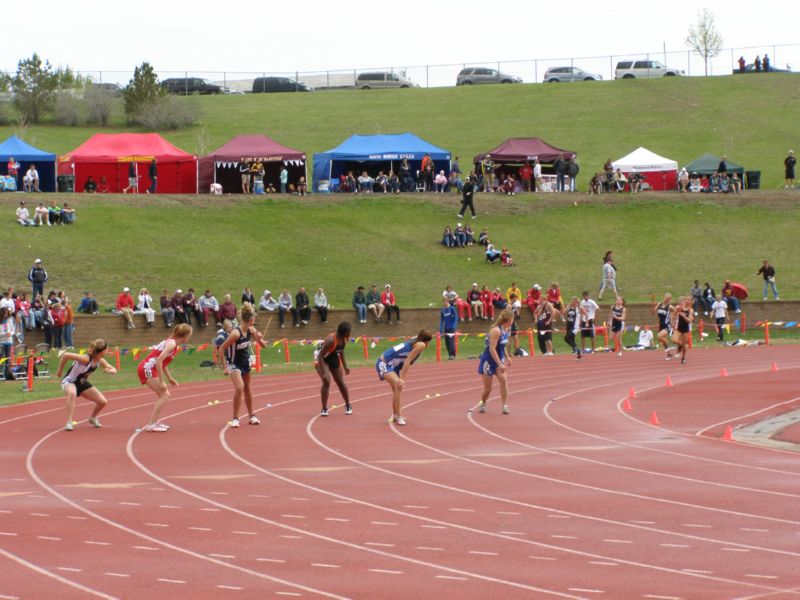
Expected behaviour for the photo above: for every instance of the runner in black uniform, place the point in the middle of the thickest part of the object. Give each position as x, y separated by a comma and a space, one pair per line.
617, 319
545, 314
328, 361
683, 325
575, 315
664, 310
76, 382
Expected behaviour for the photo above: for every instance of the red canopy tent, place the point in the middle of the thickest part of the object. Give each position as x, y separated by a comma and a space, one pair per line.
108, 155
522, 150
222, 165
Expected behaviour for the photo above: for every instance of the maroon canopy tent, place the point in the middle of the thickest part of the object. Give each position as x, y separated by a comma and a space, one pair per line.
522, 150
222, 165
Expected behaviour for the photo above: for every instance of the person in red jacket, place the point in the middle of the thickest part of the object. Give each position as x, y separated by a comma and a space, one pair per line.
125, 306
534, 298
554, 296
388, 300
488, 307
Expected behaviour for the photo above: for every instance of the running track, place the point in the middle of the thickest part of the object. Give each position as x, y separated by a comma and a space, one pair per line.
568, 497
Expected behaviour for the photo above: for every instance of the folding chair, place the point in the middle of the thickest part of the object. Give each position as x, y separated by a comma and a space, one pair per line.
41, 352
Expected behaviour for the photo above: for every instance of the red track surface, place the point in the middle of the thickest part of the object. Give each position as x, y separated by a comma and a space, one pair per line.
569, 496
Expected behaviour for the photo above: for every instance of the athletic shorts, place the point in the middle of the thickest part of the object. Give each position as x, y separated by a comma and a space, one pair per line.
587, 329
131, 181
244, 369
617, 326
80, 386
146, 373
383, 368
487, 366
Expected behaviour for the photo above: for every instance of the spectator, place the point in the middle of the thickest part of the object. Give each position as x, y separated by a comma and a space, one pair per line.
38, 311
167, 310
709, 297
247, 296
554, 296
619, 180
285, 305
636, 182
698, 303
742, 64
393, 182
537, 175
461, 305
767, 271
38, 277
428, 172
102, 187
596, 184
757, 64
514, 290
57, 317
440, 182
360, 304
448, 325
90, 187
560, 166
448, 239
67, 214
267, 302
588, 310
506, 259
365, 183
227, 310
406, 179
454, 167
789, 164
525, 175
533, 298
475, 302
695, 184
23, 216
302, 304
381, 182
683, 180
509, 185
244, 172
469, 236
460, 235
208, 304
54, 214
192, 306
133, 179
302, 186
125, 306
487, 170
24, 316
40, 215
30, 181
455, 183
144, 305
765, 62
720, 310
486, 300
492, 254
390, 303
724, 183
69, 323
152, 171
284, 178
374, 303
609, 280
736, 183
177, 306
467, 198
572, 170
321, 305
13, 170
723, 165
7, 331
483, 237
498, 300
729, 295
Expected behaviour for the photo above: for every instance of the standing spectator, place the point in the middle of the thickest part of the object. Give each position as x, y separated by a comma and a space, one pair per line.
69, 324
303, 306
560, 166
514, 289
588, 310
406, 179
125, 306
30, 182
468, 193
487, 168
697, 298
177, 306
284, 178
683, 180
729, 295
360, 304
133, 179
321, 305
720, 310
537, 175
428, 169
13, 170
454, 168
609, 280
374, 303
757, 64
765, 62
742, 64
389, 302
227, 310
768, 272
7, 331
789, 164
153, 172
247, 296
208, 304
525, 175
23, 216
38, 277
284, 306
572, 170
57, 317
24, 316
167, 311
244, 172
448, 325
723, 165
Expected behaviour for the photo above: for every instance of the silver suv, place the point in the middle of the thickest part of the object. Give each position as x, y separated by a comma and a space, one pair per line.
643, 69
568, 74
472, 75
382, 79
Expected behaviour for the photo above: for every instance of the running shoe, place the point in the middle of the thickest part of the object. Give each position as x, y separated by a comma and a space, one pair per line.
348, 410
156, 427
254, 420
579, 354
400, 420
683, 361
482, 407
505, 409
69, 426
668, 355
234, 423
323, 412
95, 422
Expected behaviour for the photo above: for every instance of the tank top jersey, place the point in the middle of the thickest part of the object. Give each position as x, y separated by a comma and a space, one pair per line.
149, 362
572, 318
617, 312
683, 324
333, 355
663, 316
238, 354
79, 372
500, 347
397, 355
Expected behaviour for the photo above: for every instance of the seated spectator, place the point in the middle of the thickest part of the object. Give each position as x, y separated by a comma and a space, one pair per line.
350, 183
713, 183
267, 302
636, 182
705, 185
498, 300
492, 254
40, 215
38, 311
88, 304
724, 183
469, 237
227, 310
439, 182
302, 186
125, 307
729, 295
374, 303
508, 185
285, 305
269, 188
505, 258
475, 302
247, 296
359, 302
694, 183
394, 182
321, 304
303, 306
192, 307
454, 182
525, 176
381, 182
222, 335
645, 341
30, 181
533, 298
209, 305
596, 184
167, 312
54, 214
683, 180
486, 300
736, 183
145, 306
389, 301
23, 315
67, 214
554, 296
90, 187
462, 306
365, 183
102, 187
620, 181
460, 235
483, 237
23, 216
177, 305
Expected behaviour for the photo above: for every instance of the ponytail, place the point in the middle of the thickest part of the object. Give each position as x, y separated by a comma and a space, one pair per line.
96, 347
181, 330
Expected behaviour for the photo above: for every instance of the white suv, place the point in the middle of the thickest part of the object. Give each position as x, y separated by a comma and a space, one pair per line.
643, 69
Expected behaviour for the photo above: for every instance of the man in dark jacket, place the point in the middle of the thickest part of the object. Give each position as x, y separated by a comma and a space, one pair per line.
468, 191
560, 166
153, 172
37, 276
301, 303
572, 170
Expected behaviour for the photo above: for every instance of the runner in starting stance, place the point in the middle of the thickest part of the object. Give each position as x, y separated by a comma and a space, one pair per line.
76, 383
494, 358
329, 361
153, 372
393, 367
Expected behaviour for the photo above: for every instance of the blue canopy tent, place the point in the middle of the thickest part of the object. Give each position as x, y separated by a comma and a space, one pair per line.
27, 155
373, 153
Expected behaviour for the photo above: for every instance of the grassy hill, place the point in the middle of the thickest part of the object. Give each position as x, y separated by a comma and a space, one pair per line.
751, 119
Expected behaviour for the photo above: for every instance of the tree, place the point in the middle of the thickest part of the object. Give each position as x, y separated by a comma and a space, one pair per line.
34, 85
703, 38
142, 90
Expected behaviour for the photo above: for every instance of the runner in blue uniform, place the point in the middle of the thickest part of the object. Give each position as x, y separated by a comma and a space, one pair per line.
393, 367
329, 361
494, 359
664, 311
236, 350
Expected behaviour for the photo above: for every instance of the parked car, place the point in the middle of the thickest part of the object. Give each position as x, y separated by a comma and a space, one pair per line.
111, 88
643, 69
568, 74
383, 79
190, 85
474, 75
751, 68
278, 84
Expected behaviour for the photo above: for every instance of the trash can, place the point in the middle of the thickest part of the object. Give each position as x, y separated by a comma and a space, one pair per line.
66, 183
753, 180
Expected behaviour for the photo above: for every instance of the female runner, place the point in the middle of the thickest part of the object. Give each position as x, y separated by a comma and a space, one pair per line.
617, 319
76, 383
329, 361
153, 372
664, 310
494, 359
393, 367
236, 349
684, 315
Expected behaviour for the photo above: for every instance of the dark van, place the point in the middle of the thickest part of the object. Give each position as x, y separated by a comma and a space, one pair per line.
278, 84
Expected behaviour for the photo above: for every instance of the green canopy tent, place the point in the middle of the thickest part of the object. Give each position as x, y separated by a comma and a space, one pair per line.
708, 163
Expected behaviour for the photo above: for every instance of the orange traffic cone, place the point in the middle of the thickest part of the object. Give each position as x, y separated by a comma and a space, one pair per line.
654, 419
668, 382
626, 405
728, 435
723, 372
631, 393
774, 367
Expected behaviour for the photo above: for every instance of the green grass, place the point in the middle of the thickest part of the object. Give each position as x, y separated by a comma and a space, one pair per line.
748, 118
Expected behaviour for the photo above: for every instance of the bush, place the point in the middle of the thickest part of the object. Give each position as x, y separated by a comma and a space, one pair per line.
168, 112
5, 112
99, 105
68, 108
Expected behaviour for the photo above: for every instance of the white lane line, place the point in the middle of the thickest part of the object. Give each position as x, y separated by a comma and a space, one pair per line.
271, 560
221, 555
300, 499
756, 529
379, 544
97, 543
130, 503
559, 517
257, 496
294, 516
295, 594
603, 563
433, 526
77, 518
643, 522
156, 524
675, 545
383, 523
230, 587
542, 558
386, 571
326, 566
735, 549
93, 500
431, 548
49, 538
169, 506
699, 571
452, 578
4, 597
657, 597
167, 580
244, 532
482, 553
9, 533
512, 533
586, 590
221, 494
70, 569
462, 509
756, 576
337, 519
564, 537
508, 512
210, 509
343, 501
200, 528
291, 537
415, 506
110, 574
696, 525
39, 514
5, 512
150, 548
613, 541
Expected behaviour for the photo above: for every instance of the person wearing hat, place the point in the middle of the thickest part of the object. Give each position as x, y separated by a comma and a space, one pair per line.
125, 306
374, 302
38, 277
23, 216
474, 299
389, 302
789, 164
487, 168
267, 302
533, 298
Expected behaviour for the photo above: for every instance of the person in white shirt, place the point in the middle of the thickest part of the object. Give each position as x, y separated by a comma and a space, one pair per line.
209, 304
720, 310
31, 179
588, 309
537, 176
609, 281
145, 306
645, 338
268, 303
40, 215
23, 216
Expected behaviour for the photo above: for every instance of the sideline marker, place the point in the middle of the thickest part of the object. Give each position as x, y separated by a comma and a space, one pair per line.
668, 382
728, 435
654, 419
626, 405
723, 372
774, 367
